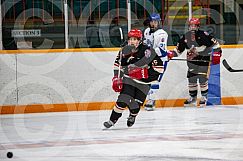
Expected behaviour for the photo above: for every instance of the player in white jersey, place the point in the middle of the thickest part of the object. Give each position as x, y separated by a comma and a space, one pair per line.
156, 38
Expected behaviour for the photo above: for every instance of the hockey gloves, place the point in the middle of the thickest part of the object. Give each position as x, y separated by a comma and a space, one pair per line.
117, 84
170, 54
138, 73
216, 57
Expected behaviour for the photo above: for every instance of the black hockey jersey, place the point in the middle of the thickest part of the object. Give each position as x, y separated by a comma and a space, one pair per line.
143, 56
203, 43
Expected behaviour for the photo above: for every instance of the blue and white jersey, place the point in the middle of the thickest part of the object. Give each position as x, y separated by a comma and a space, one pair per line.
158, 41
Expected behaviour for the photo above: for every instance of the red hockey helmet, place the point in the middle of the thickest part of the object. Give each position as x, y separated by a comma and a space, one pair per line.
135, 33
194, 23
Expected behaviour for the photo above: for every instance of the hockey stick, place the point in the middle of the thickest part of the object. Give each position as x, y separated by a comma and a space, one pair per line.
191, 60
121, 34
229, 68
122, 40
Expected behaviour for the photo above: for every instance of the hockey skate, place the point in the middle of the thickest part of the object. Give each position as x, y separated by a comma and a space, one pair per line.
150, 105
108, 124
131, 120
191, 102
203, 101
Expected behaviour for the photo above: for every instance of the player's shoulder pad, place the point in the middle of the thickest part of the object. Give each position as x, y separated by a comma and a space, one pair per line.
201, 32
146, 31
182, 37
148, 53
160, 32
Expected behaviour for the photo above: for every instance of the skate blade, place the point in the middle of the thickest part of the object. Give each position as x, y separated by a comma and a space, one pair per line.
202, 105
149, 108
190, 105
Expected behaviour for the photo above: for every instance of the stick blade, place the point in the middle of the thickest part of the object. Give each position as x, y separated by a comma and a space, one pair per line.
229, 68
226, 65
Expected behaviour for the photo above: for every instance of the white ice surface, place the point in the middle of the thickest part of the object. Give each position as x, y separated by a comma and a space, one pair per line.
171, 134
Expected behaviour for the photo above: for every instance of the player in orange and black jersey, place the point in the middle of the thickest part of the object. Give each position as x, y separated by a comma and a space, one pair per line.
202, 49
135, 68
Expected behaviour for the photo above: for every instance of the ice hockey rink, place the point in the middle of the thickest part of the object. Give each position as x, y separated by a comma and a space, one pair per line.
214, 133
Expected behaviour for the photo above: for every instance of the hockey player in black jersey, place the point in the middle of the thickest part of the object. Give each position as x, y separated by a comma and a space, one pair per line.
202, 49
135, 68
